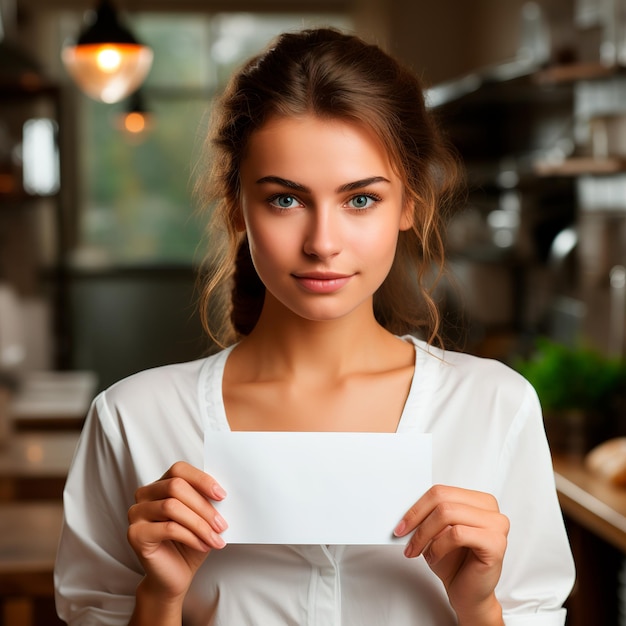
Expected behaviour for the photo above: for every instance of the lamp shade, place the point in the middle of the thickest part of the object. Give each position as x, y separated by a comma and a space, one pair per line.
107, 62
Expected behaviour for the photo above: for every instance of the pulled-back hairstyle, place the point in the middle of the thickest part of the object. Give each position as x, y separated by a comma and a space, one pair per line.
334, 76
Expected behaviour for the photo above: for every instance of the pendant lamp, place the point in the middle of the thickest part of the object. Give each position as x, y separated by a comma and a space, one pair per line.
136, 121
107, 62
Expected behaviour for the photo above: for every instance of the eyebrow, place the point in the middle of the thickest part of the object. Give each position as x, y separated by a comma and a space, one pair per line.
290, 184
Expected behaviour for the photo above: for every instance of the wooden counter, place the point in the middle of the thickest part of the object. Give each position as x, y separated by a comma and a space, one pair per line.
593, 503
595, 514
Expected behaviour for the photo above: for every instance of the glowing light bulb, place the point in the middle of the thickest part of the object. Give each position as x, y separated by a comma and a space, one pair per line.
109, 59
135, 123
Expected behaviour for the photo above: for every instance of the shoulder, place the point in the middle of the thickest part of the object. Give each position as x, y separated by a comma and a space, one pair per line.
162, 380
155, 415
481, 412
486, 381
462, 363
158, 390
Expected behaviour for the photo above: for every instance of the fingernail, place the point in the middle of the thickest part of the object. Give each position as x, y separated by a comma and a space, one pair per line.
220, 522
399, 530
219, 542
408, 551
218, 492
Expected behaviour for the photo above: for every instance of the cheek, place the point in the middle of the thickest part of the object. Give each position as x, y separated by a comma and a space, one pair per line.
268, 246
377, 245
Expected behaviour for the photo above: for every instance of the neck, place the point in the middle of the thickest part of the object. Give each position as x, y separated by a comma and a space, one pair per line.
286, 344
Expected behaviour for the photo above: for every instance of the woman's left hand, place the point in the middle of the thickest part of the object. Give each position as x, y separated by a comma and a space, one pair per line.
463, 537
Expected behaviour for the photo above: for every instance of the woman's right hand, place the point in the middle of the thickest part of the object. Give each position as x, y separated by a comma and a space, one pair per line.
172, 528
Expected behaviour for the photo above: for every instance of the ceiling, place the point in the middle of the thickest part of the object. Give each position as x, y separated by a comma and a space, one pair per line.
189, 5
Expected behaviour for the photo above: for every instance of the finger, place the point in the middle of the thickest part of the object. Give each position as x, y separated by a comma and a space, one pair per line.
204, 524
437, 495
451, 515
169, 491
488, 547
145, 537
199, 480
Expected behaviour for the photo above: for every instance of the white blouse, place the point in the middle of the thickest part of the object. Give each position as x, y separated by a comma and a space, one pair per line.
487, 435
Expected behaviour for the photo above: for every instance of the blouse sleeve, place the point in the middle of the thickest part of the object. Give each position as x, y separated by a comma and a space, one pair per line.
538, 571
96, 571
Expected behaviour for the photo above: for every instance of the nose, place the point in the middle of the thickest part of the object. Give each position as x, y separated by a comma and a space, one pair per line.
323, 236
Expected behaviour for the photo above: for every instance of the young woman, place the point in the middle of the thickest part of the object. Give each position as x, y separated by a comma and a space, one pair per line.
329, 181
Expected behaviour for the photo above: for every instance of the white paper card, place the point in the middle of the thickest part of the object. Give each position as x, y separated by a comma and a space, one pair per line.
317, 488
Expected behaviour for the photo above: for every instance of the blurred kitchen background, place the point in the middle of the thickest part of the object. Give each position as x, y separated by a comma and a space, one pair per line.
100, 243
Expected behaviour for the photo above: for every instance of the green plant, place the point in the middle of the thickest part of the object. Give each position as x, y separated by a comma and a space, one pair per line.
577, 377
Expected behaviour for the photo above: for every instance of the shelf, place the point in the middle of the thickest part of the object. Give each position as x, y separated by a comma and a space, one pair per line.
21, 198
459, 88
580, 166
520, 77
573, 72
31, 86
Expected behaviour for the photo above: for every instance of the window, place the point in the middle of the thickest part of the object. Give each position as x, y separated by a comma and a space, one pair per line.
137, 206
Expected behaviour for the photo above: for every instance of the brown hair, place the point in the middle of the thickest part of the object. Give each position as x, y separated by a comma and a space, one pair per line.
332, 75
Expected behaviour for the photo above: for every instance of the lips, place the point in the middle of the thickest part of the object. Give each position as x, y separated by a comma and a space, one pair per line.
319, 282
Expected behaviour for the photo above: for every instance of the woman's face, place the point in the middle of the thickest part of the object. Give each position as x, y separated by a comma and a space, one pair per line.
322, 208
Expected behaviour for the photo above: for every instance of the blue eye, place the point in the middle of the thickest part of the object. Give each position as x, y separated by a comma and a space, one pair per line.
284, 201
362, 201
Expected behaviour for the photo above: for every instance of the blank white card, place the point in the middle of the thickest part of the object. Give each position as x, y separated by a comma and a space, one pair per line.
317, 488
